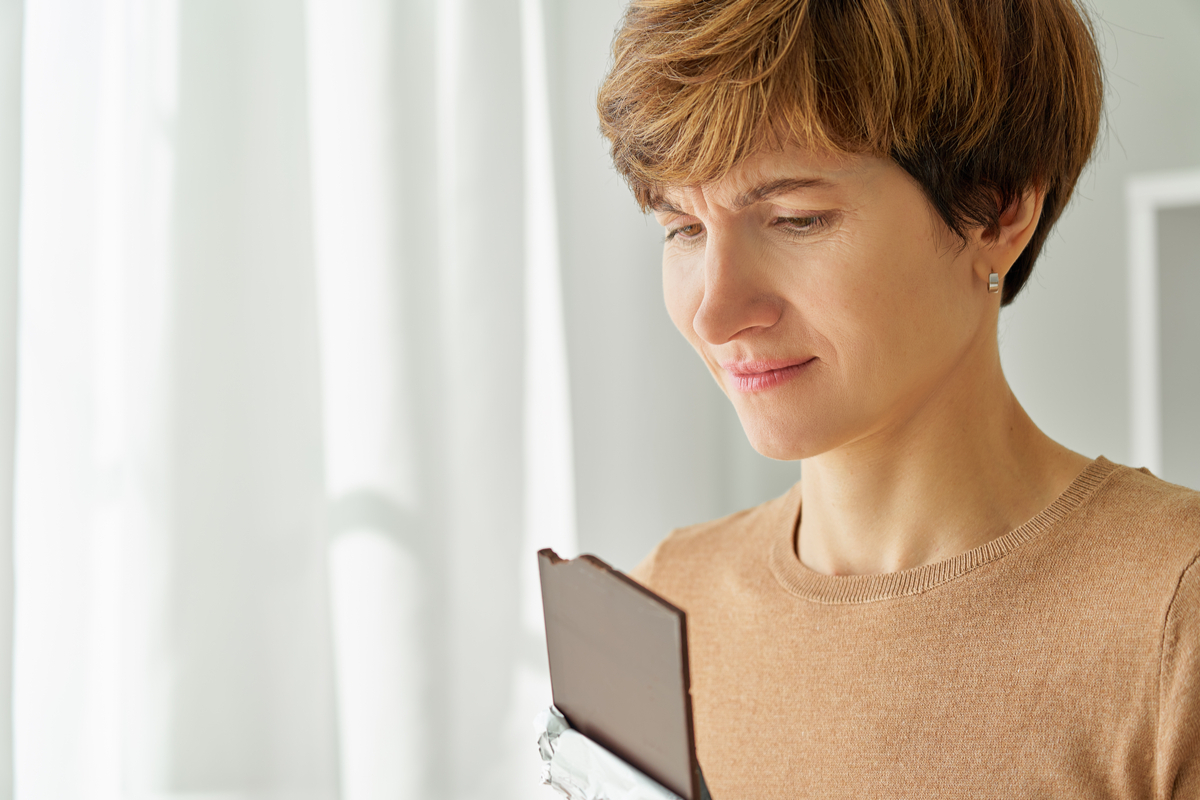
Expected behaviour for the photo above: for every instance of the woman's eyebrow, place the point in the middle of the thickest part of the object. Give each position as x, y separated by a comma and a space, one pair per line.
777, 187
665, 206
751, 196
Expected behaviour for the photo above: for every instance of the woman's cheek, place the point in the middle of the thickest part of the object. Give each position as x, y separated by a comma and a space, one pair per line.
683, 291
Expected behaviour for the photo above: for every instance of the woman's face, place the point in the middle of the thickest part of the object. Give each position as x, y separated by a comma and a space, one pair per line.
826, 297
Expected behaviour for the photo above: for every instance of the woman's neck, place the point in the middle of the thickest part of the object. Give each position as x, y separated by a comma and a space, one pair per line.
965, 465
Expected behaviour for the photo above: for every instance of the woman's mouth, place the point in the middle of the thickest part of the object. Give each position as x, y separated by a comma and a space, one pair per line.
758, 376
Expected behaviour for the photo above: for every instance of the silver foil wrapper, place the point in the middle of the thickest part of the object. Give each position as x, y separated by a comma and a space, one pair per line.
583, 770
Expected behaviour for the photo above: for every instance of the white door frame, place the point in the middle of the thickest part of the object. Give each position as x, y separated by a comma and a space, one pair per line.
1146, 195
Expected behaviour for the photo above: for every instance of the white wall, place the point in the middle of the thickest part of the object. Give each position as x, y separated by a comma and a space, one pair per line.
1179, 290
1064, 342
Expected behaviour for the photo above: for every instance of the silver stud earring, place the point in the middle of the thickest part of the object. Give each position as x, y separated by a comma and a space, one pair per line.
993, 283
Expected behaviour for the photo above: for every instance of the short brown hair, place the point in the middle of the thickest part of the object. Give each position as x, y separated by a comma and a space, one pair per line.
978, 100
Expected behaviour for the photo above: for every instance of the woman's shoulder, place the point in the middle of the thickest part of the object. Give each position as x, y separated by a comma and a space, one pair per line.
1136, 501
1138, 526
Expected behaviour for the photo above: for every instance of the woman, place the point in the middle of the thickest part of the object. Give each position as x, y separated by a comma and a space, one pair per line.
949, 604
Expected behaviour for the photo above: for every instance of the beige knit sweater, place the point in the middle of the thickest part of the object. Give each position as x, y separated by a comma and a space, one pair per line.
1061, 660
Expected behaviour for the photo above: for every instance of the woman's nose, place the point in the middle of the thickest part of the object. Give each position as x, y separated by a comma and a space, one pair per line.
738, 295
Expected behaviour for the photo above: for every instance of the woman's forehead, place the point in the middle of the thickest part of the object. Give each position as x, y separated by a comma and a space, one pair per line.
771, 174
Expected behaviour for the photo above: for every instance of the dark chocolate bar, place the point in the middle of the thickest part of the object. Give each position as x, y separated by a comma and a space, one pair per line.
619, 669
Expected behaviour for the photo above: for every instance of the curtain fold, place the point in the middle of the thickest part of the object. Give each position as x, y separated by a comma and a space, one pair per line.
11, 30
371, 475
172, 628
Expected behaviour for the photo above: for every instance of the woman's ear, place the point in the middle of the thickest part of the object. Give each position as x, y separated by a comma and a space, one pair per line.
1015, 227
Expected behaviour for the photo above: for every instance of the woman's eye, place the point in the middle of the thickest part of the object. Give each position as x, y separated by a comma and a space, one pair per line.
685, 231
801, 225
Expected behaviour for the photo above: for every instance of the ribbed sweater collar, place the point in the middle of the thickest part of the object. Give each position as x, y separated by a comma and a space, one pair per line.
803, 582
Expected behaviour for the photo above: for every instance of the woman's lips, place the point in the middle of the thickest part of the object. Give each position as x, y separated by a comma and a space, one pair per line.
758, 376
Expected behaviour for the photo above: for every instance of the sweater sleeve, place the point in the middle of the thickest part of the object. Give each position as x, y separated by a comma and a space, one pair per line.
1178, 758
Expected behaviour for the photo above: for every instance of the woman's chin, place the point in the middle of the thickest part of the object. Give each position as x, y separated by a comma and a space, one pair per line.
782, 441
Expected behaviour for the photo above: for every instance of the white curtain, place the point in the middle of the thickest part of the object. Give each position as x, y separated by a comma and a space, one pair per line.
287, 292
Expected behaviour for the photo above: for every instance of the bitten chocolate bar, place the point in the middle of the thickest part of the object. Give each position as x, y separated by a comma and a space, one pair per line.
619, 669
